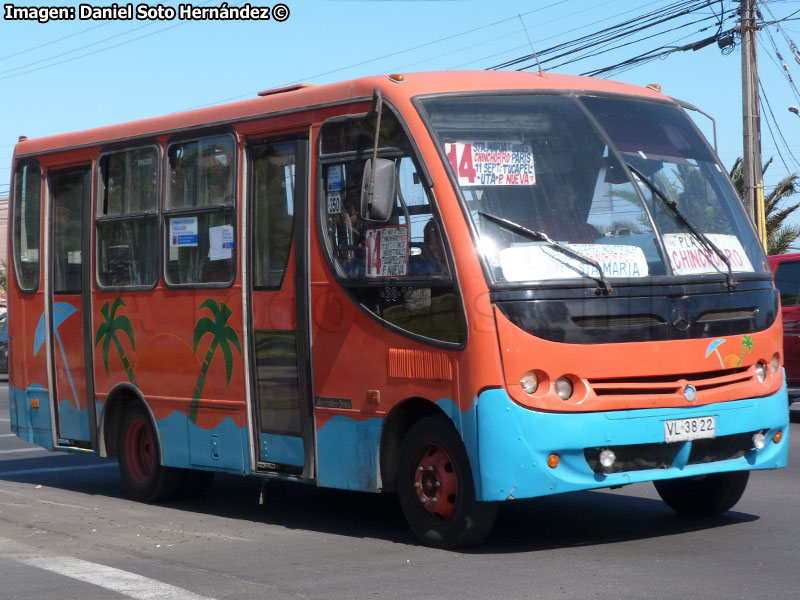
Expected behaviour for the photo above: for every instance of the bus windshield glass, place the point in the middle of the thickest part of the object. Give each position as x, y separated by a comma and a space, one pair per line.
611, 193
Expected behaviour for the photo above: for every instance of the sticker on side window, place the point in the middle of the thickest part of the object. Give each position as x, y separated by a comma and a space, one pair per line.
387, 252
493, 162
183, 232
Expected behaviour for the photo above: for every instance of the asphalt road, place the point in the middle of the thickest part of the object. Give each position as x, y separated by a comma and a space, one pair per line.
67, 531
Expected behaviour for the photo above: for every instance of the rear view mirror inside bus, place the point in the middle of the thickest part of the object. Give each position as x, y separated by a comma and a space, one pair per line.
378, 205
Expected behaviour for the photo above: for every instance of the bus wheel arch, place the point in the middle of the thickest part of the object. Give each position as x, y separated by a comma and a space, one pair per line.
117, 402
398, 422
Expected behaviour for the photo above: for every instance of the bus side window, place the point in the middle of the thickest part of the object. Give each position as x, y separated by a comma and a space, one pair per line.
398, 269
26, 210
200, 211
127, 218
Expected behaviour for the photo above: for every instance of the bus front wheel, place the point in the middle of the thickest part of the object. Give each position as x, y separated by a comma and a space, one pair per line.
143, 475
435, 487
703, 496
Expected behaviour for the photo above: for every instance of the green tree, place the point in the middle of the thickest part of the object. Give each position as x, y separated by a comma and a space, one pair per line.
222, 337
107, 333
779, 236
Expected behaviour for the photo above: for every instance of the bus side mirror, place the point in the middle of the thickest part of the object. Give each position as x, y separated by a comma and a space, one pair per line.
380, 205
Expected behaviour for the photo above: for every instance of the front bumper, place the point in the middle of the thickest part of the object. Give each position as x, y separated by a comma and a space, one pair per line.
514, 444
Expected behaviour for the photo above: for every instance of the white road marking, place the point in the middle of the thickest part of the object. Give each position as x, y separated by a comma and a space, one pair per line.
54, 469
116, 580
5, 420
22, 450
8, 435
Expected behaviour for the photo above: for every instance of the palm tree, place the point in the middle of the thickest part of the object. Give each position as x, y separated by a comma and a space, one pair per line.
107, 332
779, 236
223, 336
747, 346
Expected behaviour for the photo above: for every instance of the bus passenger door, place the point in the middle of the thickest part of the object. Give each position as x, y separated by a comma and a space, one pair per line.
280, 375
68, 314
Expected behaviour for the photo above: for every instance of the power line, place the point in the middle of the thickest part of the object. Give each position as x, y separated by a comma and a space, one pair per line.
618, 31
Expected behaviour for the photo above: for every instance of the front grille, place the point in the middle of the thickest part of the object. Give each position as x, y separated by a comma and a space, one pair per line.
640, 457
618, 321
673, 384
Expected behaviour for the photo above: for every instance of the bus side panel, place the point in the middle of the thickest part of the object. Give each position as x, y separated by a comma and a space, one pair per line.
200, 412
515, 442
27, 369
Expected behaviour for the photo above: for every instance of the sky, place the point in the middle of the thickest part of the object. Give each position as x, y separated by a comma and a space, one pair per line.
74, 74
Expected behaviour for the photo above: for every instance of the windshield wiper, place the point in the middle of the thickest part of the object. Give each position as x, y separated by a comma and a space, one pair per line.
540, 236
699, 235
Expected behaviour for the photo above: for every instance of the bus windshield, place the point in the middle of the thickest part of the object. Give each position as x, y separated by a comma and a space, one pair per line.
621, 181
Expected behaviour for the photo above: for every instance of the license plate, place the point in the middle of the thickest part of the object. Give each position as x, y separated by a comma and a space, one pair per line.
684, 430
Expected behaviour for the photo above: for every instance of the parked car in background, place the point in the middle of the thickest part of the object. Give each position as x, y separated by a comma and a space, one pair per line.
786, 268
3, 346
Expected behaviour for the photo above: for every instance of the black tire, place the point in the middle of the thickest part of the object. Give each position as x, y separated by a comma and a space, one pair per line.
195, 483
439, 501
145, 479
703, 496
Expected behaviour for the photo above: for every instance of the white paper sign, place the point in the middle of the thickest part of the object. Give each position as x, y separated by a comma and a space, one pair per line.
687, 255
493, 162
334, 178
387, 252
538, 262
183, 232
220, 242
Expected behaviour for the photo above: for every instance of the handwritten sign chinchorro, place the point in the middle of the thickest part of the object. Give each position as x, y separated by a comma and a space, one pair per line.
494, 162
687, 256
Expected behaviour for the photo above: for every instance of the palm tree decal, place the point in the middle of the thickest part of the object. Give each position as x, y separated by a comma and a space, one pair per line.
747, 346
107, 333
223, 336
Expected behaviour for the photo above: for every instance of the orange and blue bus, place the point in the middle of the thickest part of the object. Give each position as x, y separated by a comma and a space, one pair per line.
462, 287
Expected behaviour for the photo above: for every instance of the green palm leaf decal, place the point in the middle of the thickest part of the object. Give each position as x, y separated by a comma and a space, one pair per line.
747, 346
222, 336
107, 333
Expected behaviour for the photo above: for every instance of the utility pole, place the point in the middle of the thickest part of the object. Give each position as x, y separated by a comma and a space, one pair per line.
751, 120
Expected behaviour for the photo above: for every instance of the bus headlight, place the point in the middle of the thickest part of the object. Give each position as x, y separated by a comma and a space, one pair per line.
759, 440
761, 371
775, 363
529, 382
564, 388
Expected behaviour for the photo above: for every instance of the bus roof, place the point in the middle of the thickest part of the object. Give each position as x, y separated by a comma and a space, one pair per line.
292, 98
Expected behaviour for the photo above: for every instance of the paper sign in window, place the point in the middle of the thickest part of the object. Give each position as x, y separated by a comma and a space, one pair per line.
537, 262
220, 242
387, 252
688, 256
494, 162
183, 232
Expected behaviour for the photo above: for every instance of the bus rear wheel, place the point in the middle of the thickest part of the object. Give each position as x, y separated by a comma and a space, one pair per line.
435, 487
703, 496
144, 477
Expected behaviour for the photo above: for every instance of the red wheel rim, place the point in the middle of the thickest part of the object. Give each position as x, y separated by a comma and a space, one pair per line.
140, 451
436, 481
